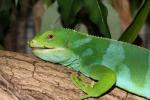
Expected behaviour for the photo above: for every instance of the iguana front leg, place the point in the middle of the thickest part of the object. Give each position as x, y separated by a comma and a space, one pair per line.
105, 77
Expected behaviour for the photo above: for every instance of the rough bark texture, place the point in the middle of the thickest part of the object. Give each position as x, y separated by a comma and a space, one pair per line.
24, 77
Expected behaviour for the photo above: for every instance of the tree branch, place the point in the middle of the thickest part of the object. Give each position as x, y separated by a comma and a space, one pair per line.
24, 77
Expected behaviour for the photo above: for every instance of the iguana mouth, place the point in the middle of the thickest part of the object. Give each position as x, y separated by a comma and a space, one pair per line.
38, 48
47, 49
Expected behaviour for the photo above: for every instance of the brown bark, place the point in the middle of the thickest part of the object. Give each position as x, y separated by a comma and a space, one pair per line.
24, 77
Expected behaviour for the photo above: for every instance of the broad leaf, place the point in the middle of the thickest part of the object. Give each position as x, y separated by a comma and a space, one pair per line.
47, 3
134, 5
16, 2
98, 15
51, 18
113, 21
132, 31
68, 10
5, 5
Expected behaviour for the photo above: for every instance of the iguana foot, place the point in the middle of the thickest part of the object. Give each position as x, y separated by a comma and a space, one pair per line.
105, 77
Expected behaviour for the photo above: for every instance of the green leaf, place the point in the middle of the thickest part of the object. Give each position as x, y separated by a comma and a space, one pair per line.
16, 2
134, 5
132, 31
51, 18
5, 14
1, 47
113, 21
98, 15
6, 5
68, 10
47, 3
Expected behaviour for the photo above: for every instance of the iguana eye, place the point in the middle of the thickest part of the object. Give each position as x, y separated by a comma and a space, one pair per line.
50, 36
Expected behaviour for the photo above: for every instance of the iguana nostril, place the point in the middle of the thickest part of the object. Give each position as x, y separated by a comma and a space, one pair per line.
33, 42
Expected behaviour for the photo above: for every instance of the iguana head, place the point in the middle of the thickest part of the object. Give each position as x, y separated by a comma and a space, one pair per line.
51, 46
50, 39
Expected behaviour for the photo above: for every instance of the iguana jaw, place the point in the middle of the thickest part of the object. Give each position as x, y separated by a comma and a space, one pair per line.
54, 55
47, 50
39, 48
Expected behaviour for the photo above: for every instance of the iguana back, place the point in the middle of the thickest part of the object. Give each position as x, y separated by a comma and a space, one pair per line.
131, 63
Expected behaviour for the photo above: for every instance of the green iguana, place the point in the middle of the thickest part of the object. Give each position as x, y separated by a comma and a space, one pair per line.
104, 60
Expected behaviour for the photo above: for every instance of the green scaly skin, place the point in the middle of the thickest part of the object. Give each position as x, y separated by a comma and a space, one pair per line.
105, 60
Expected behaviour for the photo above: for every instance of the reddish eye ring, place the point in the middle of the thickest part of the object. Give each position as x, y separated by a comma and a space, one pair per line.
50, 36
